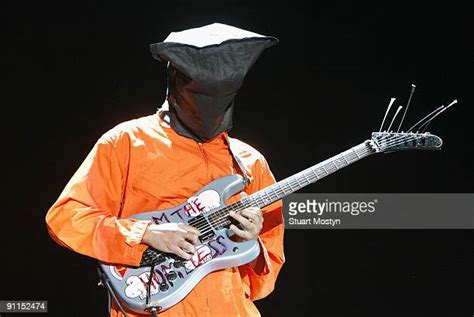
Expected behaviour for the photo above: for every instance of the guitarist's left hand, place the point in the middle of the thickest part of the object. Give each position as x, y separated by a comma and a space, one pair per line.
251, 221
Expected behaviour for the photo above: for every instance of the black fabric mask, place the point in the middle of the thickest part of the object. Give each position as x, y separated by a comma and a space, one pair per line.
204, 78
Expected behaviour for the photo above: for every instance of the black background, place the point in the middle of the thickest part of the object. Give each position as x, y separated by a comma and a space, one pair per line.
74, 70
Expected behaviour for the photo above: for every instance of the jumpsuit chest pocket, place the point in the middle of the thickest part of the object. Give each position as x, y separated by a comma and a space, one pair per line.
150, 194
156, 194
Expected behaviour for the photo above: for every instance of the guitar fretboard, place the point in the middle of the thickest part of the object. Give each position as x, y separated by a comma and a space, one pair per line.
289, 185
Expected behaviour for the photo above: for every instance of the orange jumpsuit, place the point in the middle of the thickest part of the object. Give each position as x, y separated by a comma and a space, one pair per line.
144, 165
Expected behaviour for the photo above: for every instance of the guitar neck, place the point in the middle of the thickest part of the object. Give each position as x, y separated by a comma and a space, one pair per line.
308, 176
289, 185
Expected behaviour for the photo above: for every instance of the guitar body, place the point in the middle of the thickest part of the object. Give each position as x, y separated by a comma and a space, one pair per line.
174, 277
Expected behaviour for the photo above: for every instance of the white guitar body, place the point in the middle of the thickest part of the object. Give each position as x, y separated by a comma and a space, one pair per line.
174, 278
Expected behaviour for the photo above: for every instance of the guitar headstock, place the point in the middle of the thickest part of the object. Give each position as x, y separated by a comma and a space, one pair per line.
391, 141
384, 142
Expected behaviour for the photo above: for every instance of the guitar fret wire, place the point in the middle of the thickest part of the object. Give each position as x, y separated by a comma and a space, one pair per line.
355, 152
325, 170
306, 177
344, 157
289, 184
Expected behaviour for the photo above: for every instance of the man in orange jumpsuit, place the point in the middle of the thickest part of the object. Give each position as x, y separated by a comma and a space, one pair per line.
158, 161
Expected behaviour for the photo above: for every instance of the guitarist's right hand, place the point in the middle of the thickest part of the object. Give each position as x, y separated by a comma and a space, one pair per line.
177, 238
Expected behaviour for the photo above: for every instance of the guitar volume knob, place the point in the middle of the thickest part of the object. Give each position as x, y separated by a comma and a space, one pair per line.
164, 287
171, 275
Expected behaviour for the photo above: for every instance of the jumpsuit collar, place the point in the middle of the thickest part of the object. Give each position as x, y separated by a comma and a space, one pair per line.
163, 121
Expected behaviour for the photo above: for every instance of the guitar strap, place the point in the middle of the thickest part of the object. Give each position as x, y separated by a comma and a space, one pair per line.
247, 178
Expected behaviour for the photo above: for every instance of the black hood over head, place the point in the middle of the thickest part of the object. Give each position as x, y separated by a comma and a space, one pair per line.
206, 68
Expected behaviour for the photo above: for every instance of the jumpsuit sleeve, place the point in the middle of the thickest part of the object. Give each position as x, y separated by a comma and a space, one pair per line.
259, 276
85, 216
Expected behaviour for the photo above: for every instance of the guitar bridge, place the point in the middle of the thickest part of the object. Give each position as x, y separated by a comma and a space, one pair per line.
207, 236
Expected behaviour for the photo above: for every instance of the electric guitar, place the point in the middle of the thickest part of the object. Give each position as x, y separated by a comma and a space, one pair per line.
157, 288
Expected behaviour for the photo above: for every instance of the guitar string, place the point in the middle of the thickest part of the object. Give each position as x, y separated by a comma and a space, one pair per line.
222, 215
261, 200
217, 212
223, 219
269, 194
292, 180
